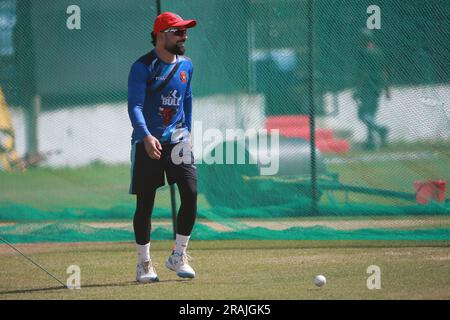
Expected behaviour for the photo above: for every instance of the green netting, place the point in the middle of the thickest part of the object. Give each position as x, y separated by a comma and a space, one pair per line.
379, 98
288, 210
78, 232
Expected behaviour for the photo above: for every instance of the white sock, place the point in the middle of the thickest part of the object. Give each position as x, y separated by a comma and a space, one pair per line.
143, 252
181, 243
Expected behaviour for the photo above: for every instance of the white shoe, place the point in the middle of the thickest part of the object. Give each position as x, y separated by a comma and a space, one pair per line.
145, 272
179, 263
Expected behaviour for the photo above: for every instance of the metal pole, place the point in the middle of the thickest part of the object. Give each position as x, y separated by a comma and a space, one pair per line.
30, 101
173, 199
158, 7
173, 202
32, 118
312, 108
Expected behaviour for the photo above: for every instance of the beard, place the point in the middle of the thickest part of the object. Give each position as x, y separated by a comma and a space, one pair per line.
178, 48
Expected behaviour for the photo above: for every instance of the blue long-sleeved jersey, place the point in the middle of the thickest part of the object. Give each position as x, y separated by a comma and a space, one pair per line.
167, 114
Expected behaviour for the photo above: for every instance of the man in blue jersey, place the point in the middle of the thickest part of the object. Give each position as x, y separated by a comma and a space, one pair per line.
160, 110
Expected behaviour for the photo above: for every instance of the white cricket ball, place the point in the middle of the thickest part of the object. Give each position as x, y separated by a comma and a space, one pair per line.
320, 280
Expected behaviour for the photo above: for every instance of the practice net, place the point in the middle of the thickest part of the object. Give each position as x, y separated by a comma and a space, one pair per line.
375, 80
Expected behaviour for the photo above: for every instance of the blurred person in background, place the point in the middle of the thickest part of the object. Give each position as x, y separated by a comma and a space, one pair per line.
372, 80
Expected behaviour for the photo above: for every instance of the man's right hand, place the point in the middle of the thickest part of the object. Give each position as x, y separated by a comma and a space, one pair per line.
152, 147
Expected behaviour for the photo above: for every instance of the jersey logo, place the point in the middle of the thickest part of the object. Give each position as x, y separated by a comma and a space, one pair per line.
183, 77
171, 100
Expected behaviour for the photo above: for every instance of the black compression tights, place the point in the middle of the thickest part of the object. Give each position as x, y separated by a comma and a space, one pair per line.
186, 215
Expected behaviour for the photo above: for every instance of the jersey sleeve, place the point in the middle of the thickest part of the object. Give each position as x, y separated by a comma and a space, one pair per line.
187, 103
137, 83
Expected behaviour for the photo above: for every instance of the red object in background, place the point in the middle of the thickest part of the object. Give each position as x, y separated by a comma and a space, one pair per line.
297, 126
280, 122
305, 133
430, 190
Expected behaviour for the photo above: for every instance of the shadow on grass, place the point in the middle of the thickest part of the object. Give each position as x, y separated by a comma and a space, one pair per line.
32, 290
103, 285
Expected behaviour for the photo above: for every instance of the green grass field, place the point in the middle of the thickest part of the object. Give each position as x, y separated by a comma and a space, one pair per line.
233, 270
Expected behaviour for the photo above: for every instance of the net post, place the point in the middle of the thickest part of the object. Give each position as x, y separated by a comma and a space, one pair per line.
312, 110
173, 200
158, 7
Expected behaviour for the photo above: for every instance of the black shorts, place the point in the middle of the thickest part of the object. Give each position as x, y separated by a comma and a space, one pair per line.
148, 173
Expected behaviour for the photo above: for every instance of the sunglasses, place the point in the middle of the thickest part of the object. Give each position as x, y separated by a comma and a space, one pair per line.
177, 32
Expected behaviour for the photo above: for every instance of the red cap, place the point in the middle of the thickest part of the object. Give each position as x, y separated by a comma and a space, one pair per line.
170, 20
